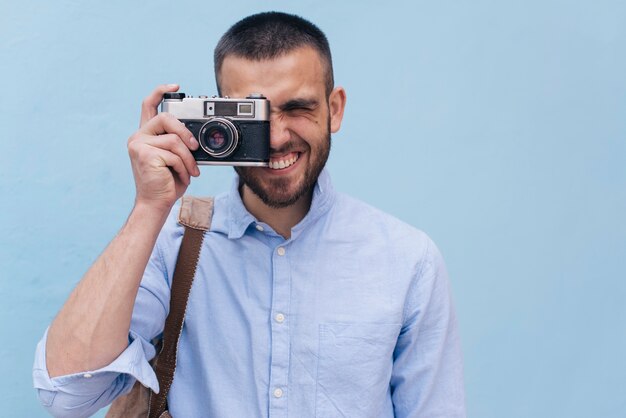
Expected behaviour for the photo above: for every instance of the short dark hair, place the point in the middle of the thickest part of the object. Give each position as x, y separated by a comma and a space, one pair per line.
269, 35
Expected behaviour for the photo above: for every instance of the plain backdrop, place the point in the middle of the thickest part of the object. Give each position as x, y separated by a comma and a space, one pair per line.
498, 127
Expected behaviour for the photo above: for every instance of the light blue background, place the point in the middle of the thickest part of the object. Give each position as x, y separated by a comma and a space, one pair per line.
498, 127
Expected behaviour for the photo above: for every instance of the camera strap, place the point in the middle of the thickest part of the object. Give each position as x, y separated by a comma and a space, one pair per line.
195, 214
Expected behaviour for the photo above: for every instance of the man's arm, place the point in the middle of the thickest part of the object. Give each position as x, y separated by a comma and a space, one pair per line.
427, 376
92, 328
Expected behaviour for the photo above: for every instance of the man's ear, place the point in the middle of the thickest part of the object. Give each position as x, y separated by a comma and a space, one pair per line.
336, 105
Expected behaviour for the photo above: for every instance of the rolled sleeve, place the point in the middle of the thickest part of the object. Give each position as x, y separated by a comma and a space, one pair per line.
82, 394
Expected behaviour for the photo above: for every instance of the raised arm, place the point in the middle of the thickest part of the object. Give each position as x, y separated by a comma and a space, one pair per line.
91, 329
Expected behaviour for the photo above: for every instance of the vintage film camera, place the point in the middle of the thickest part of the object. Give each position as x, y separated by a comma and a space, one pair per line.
230, 131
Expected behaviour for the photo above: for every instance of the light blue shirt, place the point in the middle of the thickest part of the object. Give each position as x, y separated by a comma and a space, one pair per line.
350, 317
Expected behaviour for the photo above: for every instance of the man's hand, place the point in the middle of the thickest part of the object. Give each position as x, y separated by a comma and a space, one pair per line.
160, 154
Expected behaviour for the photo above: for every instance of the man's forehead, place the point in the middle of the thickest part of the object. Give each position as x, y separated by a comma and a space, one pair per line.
300, 68
303, 54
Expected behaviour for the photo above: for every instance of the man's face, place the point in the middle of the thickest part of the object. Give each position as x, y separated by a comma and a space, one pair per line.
300, 122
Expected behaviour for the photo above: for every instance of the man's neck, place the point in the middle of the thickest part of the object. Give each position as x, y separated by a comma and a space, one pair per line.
280, 219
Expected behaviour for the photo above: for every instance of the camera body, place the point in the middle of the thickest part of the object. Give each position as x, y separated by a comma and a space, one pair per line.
229, 131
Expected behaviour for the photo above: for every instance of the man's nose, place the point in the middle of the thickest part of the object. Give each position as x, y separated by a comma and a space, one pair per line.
279, 131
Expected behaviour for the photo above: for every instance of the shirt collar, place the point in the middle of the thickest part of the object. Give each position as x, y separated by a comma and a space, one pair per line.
238, 219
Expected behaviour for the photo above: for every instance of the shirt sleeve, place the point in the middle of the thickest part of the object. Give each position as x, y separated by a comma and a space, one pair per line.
427, 375
82, 394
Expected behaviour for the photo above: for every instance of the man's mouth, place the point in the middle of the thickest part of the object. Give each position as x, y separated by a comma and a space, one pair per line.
284, 161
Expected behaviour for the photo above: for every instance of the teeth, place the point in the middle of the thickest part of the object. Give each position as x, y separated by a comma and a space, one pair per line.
280, 164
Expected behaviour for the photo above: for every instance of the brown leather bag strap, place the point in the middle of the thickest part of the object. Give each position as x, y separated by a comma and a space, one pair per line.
195, 214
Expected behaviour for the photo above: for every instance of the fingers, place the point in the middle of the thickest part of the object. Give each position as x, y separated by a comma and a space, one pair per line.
165, 123
151, 103
176, 164
174, 145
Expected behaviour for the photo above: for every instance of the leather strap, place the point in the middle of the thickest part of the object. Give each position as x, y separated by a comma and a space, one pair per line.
195, 214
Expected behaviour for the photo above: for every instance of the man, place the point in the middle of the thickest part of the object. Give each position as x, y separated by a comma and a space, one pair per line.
305, 302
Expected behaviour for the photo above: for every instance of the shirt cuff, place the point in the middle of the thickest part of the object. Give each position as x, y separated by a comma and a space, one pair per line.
113, 380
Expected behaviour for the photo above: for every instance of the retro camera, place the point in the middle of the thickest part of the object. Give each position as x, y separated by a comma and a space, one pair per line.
230, 131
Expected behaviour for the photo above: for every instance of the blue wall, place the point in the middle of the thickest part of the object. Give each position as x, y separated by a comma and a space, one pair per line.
496, 126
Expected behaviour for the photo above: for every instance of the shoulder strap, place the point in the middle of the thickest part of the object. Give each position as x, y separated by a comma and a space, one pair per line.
195, 214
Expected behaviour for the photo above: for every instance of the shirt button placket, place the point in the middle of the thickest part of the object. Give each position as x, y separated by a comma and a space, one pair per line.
280, 333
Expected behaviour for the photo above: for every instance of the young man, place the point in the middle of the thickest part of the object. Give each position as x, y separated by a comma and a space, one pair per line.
305, 302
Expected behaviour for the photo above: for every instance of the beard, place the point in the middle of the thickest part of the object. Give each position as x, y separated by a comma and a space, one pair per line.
282, 192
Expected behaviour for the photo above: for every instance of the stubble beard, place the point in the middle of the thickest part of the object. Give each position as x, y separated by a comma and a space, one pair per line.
279, 192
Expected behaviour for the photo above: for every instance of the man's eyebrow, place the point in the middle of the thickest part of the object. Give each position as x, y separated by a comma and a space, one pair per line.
299, 104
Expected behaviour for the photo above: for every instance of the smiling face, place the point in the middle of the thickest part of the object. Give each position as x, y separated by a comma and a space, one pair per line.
302, 119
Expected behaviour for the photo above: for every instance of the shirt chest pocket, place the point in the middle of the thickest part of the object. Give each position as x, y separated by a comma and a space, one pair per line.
354, 369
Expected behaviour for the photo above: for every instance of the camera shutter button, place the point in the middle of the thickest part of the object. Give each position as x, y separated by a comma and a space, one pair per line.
255, 96
173, 96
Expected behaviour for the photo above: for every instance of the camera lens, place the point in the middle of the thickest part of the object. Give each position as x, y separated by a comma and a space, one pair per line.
219, 138
215, 139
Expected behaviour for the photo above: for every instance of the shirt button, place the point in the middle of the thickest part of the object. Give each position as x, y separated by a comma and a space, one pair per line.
87, 375
260, 228
278, 393
281, 251
279, 318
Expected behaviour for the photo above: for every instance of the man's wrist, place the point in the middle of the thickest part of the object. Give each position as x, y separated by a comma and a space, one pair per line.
150, 212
